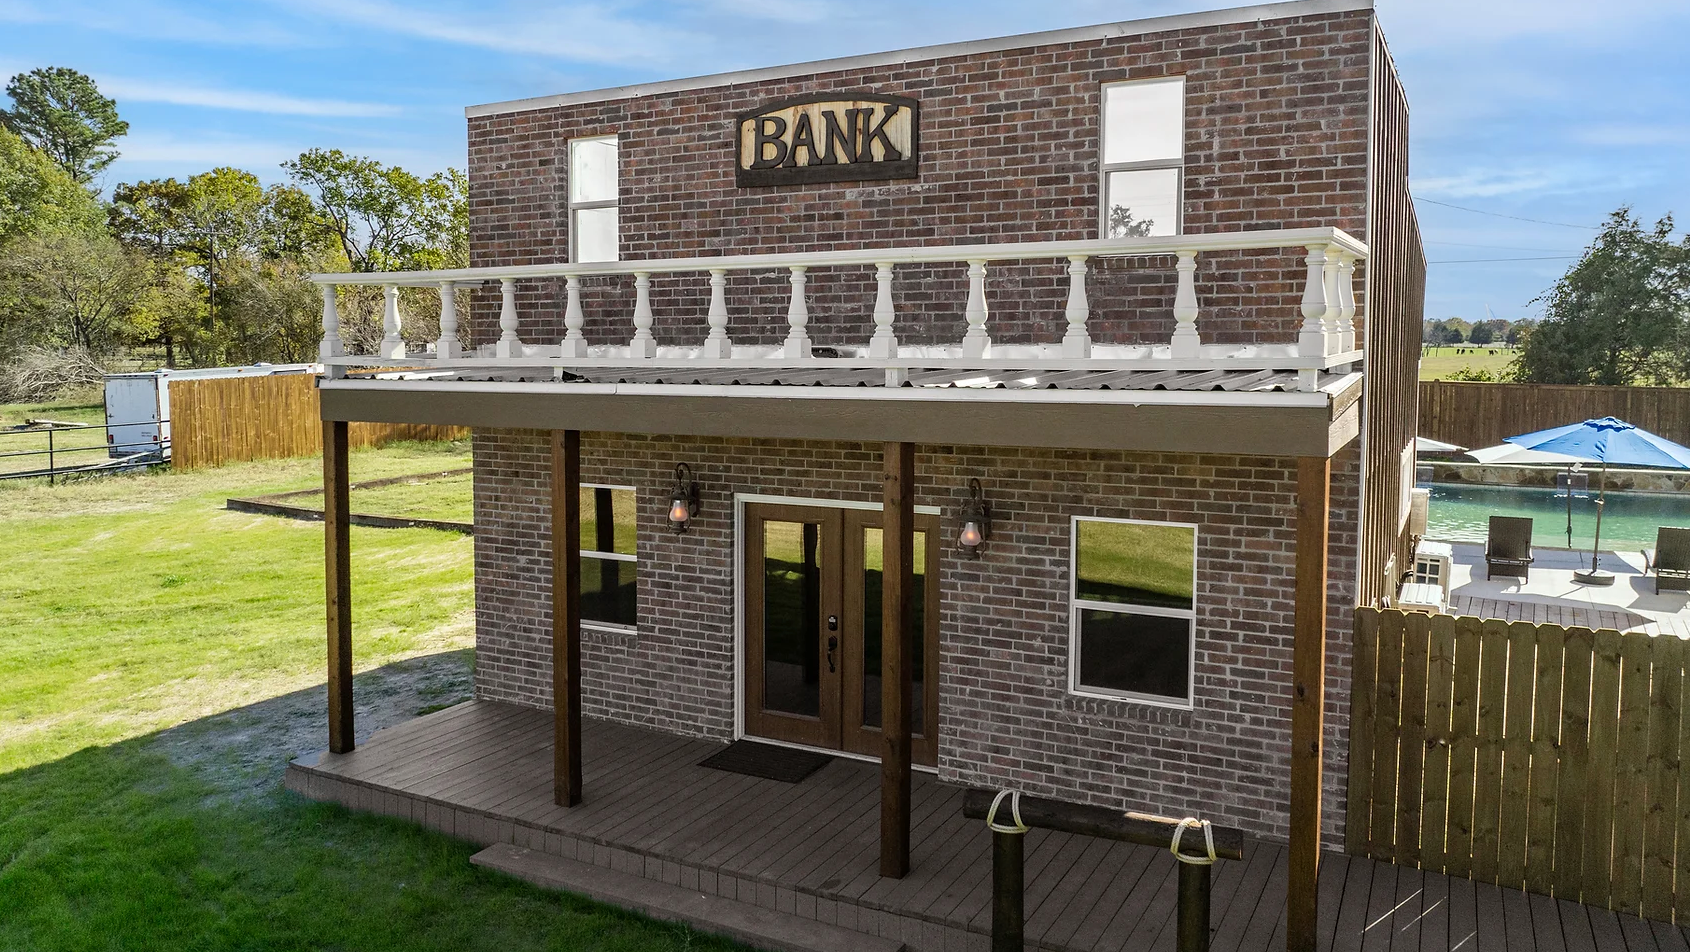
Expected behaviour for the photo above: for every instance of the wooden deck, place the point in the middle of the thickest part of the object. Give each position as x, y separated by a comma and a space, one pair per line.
482, 771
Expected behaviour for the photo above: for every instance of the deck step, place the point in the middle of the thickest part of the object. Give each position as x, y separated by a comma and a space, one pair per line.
740, 921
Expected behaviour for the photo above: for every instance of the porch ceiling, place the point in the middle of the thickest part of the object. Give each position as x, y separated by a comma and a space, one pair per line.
1252, 412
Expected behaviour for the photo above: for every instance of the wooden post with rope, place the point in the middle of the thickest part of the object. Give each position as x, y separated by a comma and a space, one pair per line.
1195, 844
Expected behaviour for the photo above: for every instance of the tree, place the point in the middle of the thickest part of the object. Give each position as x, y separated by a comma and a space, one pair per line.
384, 218
1620, 316
1481, 334
1122, 224
71, 288
36, 195
61, 112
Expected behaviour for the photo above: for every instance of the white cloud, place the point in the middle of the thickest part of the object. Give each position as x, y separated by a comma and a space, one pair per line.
581, 32
779, 11
240, 100
146, 19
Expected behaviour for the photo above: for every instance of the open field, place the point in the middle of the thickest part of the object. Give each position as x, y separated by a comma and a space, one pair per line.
82, 408
162, 660
1437, 363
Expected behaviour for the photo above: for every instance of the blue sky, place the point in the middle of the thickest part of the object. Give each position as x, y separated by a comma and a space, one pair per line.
1553, 110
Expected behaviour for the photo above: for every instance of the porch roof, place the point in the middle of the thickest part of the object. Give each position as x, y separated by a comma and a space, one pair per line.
1253, 412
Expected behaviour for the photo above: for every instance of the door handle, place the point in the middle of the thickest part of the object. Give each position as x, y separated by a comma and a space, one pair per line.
832, 643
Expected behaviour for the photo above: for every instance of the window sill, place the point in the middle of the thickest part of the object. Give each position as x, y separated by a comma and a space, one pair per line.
601, 634
1125, 709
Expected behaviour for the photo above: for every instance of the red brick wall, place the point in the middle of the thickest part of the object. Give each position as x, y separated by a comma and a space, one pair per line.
1006, 718
1276, 136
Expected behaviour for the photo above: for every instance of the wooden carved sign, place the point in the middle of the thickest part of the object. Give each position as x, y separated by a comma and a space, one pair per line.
832, 137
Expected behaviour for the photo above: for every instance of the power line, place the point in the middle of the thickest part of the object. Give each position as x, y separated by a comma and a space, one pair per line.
1488, 260
1468, 244
1480, 211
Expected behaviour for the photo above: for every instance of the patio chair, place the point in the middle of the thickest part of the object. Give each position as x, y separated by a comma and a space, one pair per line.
1669, 559
1508, 548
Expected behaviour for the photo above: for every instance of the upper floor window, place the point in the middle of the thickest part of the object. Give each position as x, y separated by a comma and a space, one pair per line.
1143, 157
592, 199
1134, 617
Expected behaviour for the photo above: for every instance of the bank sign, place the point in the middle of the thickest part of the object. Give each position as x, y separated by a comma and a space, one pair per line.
834, 137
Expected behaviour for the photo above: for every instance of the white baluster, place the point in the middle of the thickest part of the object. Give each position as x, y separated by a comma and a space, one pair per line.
574, 342
1331, 322
976, 343
1187, 343
332, 346
718, 346
392, 345
509, 345
447, 347
1347, 303
1077, 341
797, 318
643, 345
1311, 340
884, 344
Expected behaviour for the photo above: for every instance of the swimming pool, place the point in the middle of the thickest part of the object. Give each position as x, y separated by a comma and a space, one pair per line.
1462, 514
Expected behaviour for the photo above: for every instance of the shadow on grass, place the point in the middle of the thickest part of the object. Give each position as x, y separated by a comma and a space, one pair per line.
184, 839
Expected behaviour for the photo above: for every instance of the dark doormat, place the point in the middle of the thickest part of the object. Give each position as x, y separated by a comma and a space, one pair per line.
767, 761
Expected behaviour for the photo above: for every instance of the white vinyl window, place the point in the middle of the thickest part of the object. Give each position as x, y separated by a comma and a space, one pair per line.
609, 566
592, 199
1134, 616
1143, 157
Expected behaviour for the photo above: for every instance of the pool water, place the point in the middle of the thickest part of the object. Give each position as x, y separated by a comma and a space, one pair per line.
1462, 514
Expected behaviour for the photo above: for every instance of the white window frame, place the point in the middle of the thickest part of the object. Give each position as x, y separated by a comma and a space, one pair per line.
1104, 168
1076, 603
615, 557
575, 206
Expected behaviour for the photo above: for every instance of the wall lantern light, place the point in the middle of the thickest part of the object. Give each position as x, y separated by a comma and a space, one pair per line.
683, 502
976, 521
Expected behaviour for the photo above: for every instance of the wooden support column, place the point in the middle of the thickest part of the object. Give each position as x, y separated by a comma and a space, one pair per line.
1308, 699
897, 652
566, 617
337, 579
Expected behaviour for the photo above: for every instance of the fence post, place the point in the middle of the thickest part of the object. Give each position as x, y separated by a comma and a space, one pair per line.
1193, 907
52, 467
1009, 915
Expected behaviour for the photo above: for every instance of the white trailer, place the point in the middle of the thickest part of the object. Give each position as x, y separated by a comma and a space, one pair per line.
138, 404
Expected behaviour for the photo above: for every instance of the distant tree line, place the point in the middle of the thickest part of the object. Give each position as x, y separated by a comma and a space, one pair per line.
210, 270
1454, 332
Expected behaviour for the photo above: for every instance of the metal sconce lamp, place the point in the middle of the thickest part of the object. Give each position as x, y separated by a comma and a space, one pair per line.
683, 502
976, 521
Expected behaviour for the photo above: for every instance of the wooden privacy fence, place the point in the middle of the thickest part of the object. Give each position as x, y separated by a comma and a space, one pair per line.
231, 419
1532, 756
1484, 414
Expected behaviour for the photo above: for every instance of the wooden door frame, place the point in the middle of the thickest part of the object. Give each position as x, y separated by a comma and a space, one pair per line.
822, 731
742, 686
924, 747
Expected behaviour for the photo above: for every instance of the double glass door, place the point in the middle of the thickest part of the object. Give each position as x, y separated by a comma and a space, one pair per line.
813, 633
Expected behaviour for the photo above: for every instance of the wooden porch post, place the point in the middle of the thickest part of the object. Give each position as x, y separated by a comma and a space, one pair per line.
1308, 699
566, 617
337, 582
897, 626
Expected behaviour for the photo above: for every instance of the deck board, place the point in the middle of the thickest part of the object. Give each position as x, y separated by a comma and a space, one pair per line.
812, 849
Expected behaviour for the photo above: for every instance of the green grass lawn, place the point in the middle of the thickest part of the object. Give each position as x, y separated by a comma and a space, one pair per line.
162, 658
1437, 363
83, 408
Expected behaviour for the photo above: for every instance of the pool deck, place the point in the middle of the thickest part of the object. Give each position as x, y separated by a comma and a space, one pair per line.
1551, 595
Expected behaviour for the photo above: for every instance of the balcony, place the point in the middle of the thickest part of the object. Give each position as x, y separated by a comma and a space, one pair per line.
1324, 343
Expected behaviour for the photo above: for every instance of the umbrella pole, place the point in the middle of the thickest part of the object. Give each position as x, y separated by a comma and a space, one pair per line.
1569, 507
1596, 576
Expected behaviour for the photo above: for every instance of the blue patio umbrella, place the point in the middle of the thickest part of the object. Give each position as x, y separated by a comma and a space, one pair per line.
1607, 440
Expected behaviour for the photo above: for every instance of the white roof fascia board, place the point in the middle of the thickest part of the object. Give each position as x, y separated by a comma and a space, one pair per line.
1183, 21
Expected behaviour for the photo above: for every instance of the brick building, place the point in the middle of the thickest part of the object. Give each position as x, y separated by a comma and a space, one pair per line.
1084, 358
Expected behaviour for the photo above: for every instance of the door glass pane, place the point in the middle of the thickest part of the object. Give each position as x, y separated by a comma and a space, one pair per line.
873, 562
792, 575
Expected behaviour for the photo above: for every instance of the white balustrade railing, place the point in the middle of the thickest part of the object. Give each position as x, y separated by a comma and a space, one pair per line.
1325, 339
